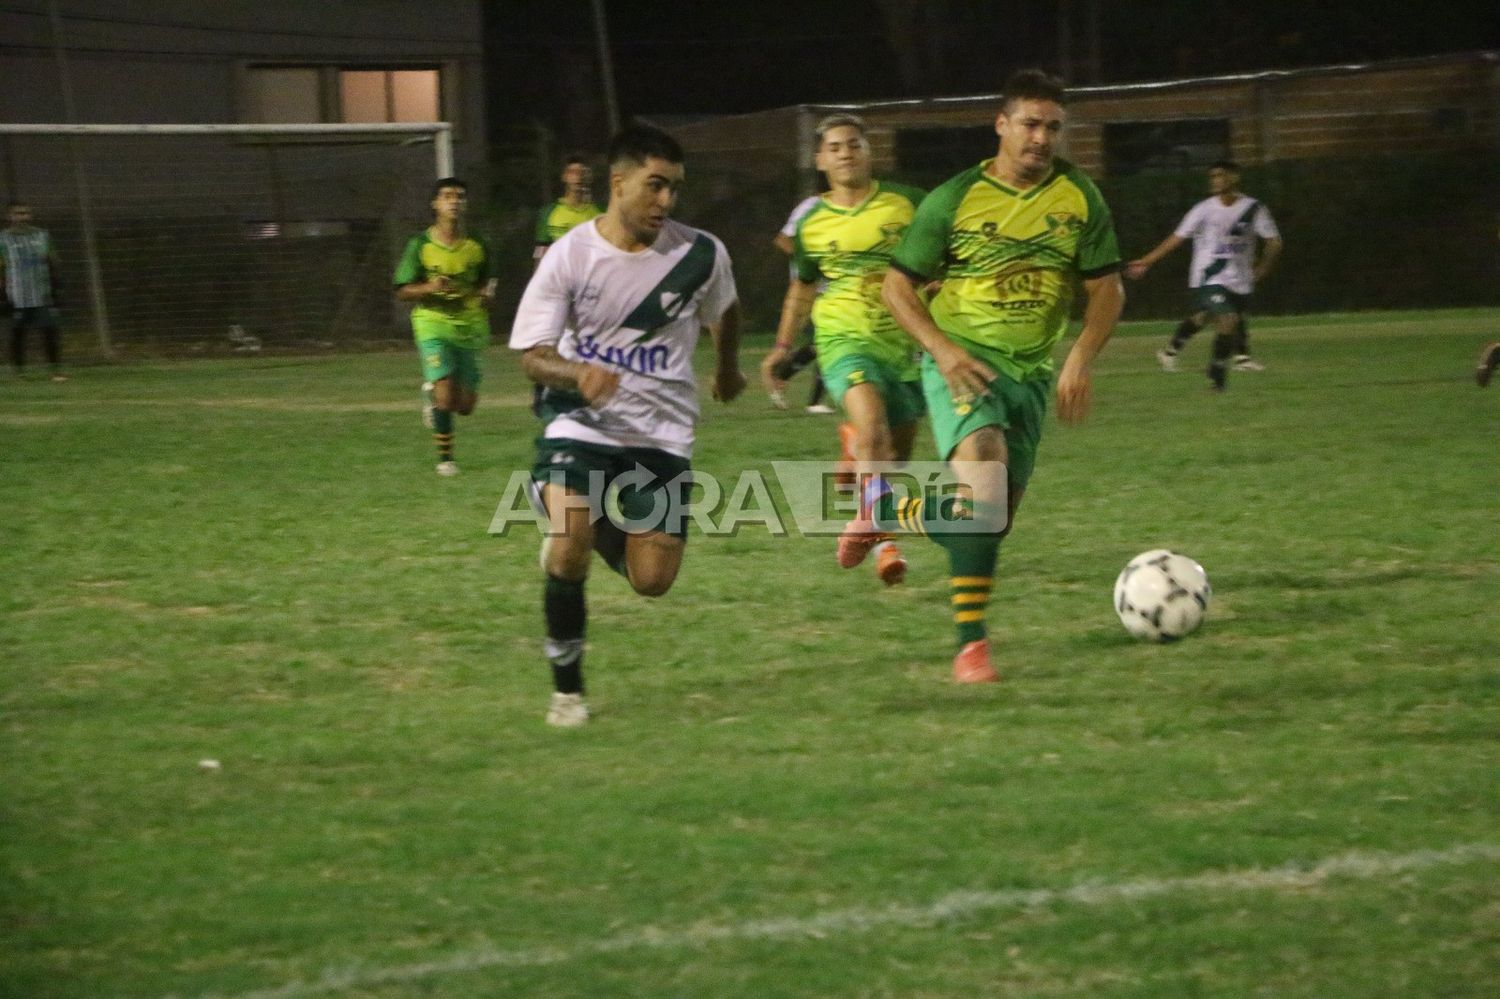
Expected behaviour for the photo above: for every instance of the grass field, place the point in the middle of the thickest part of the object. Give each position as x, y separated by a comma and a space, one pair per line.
782, 793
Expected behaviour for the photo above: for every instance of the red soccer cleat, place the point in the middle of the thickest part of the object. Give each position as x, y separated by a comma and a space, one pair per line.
889, 565
972, 664
855, 543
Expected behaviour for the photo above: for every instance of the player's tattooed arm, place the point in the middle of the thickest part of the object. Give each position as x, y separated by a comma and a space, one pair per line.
545, 366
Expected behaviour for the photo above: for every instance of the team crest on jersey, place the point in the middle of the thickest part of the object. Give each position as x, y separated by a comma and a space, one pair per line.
1063, 224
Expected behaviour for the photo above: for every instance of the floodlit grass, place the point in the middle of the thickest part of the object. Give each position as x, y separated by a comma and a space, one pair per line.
253, 561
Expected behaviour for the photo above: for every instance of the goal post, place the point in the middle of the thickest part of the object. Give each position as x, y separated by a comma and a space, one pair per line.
189, 239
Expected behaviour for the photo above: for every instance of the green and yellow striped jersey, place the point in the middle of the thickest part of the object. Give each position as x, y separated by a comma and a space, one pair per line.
459, 315
1009, 259
851, 248
554, 220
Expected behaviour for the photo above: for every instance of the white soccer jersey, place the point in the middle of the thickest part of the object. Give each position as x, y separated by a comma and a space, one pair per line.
638, 313
1224, 241
803, 207
28, 273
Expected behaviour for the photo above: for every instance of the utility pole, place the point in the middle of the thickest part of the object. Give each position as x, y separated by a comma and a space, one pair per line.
606, 67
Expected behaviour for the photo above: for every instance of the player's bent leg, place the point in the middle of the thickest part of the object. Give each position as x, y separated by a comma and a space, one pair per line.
652, 561
870, 443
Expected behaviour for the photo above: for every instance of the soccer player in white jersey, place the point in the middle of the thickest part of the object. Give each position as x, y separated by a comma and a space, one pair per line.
27, 266
608, 326
1223, 229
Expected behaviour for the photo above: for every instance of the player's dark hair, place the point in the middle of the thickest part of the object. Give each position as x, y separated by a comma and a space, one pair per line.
637, 143
1229, 165
572, 158
1033, 85
438, 185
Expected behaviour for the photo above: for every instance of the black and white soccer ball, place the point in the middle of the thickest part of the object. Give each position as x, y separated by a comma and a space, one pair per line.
1161, 595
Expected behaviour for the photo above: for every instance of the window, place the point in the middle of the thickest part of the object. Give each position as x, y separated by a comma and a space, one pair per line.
277, 96
356, 94
376, 95
1141, 146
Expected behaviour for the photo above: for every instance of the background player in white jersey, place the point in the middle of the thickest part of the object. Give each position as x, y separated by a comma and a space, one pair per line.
27, 268
1223, 229
608, 327
775, 374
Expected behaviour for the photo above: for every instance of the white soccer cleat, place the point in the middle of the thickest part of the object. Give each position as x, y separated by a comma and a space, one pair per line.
1167, 360
778, 398
1244, 362
447, 469
428, 420
818, 409
567, 711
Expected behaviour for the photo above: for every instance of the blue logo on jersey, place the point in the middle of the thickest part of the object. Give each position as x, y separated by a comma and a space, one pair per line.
646, 359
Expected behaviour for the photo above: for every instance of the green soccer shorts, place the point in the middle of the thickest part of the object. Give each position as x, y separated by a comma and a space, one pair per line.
653, 486
441, 359
1218, 301
1017, 407
903, 398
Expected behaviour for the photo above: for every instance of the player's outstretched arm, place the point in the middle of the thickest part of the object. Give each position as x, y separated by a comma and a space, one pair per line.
545, 366
729, 380
795, 308
1106, 300
965, 374
1137, 268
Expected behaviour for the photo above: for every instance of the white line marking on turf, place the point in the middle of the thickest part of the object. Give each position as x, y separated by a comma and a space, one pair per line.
952, 907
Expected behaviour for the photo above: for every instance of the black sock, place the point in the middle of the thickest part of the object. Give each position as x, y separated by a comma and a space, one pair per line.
566, 617
1223, 348
18, 348
817, 389
1185, 331
1242, 338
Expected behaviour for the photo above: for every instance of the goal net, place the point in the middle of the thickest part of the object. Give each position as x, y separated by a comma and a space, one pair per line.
224, 238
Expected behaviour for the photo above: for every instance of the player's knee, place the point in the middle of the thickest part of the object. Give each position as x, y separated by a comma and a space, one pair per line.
652, 583
567, 559
466, 405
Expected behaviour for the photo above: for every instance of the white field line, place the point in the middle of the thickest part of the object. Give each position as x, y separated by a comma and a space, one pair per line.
844, 922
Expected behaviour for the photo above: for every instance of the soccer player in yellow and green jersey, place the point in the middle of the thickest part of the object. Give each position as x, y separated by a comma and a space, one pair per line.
449, 274
574, 207
1010, 239
868, 361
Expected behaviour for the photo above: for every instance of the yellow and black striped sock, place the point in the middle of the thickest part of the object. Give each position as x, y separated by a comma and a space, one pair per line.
442, 433
971, 597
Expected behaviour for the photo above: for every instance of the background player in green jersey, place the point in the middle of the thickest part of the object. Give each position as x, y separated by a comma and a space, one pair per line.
576, 205
1010, 238
557, 218
449, 274
868, 361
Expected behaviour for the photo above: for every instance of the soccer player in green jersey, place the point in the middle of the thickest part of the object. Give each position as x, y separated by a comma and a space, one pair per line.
449, 274
1010, 239
869, 363
575, 206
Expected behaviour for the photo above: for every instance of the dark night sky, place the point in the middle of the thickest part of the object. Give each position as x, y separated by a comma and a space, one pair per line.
726, 56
